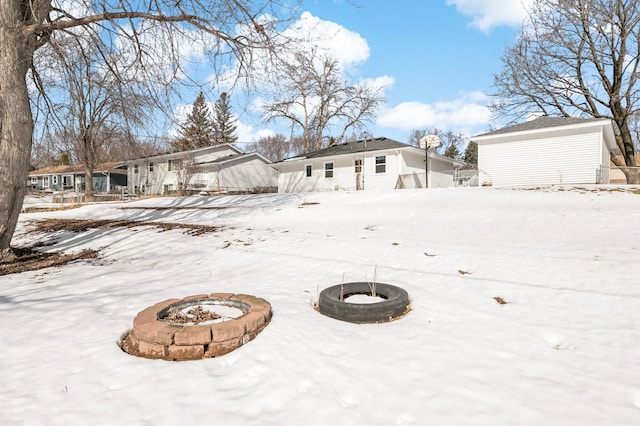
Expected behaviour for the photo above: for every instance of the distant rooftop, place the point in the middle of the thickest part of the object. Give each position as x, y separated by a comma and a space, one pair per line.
77, 168
362, 145
541, 123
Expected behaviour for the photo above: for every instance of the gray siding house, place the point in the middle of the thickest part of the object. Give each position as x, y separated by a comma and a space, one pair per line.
107, 178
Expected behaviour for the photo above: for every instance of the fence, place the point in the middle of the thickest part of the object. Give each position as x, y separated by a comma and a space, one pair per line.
440, 179
619, 175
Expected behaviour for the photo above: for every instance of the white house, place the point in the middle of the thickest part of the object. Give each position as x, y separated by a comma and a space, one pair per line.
546, 151
211, 169
378, 163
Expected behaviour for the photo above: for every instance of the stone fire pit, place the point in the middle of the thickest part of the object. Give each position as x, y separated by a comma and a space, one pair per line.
196, 327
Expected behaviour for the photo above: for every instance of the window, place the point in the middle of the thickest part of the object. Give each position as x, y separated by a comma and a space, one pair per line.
135, 168
67, 180
381, 164
54, 180
328, 170
309, 170
175, 165
151, 167
358, 165
34, 180
45, 181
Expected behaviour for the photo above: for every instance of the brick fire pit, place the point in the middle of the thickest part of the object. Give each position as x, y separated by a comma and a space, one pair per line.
153, 336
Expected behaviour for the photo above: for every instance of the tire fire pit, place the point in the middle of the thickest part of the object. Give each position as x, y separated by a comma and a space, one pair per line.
364, 302
196, 327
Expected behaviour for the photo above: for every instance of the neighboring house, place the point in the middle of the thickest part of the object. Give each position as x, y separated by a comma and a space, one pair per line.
107, 178
378, 163
211, 169
545, 151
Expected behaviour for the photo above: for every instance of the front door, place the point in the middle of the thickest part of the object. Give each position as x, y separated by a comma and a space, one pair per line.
359, 175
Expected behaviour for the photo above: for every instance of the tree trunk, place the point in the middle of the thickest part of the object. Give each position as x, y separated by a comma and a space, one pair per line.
632, 173
16, 121
88, 184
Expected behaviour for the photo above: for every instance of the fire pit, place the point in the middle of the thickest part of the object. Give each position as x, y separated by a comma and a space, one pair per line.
196, 327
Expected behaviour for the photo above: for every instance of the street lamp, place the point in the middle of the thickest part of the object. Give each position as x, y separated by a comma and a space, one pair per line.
427, 142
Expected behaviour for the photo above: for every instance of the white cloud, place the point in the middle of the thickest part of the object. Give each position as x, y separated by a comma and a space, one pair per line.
307, 33
467, 113
493, 13
347, 47
379, 83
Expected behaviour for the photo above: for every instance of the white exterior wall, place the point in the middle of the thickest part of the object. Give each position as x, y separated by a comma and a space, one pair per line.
549, 158
153, 182
292, 176
238, 176
251, 172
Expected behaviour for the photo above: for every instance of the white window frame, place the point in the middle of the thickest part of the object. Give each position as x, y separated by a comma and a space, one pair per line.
45, 182
54, 179
151, 167
329, 170
308, 170
135, 169
34, 180
382, 164
357, 165
174, 165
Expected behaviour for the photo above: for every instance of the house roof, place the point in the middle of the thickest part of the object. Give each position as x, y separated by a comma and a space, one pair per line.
544, 124
194, 152
77, 169
541, 123
235, 157
363, 145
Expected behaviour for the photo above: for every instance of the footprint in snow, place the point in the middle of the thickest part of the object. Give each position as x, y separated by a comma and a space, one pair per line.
405, 420
304, 386
348, 401
558, 341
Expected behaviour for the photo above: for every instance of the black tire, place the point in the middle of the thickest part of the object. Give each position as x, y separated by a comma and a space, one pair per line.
395, 305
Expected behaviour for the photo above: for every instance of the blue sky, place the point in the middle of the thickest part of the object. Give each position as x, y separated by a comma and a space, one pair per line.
435, 58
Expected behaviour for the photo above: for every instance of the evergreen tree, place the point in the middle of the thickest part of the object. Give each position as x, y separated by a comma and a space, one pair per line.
452, 151
198, 130
471, 154
223, 122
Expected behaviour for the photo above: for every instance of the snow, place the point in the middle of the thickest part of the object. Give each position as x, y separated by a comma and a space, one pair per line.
564, 349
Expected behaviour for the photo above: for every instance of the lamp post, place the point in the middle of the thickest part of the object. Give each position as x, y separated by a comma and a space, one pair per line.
427, 142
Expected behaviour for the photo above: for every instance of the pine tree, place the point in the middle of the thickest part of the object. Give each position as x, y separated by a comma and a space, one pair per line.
223, 122
471, 154
198, 130
452, 151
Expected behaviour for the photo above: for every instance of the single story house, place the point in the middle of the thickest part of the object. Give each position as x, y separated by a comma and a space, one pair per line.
107, 178
211, 169
547, 151
377, 163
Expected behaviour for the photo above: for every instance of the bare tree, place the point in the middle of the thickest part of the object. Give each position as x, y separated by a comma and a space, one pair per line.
576, 57
228, 29
93, 106
274, 148
451, 142
313, 96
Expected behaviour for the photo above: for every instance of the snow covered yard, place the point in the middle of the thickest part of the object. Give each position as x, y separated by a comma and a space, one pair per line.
564, 349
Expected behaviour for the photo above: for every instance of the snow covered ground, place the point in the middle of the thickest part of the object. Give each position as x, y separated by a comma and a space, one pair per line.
563, 350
